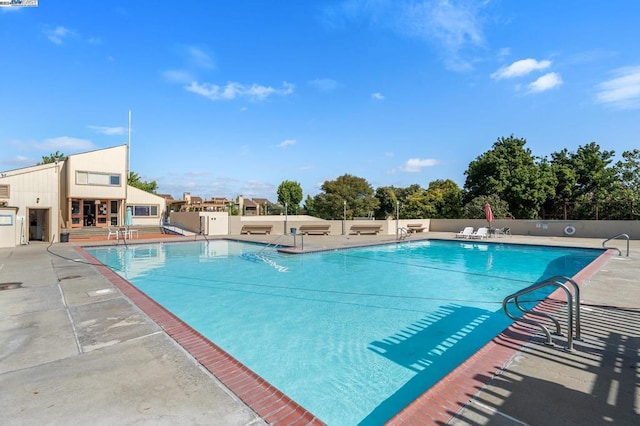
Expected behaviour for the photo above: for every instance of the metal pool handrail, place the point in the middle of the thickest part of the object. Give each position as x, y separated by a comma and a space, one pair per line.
625, 236
573, 308
271, 244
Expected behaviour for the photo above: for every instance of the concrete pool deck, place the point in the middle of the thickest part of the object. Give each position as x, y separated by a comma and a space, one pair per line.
76, 349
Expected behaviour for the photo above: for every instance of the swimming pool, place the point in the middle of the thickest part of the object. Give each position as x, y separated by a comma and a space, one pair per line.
352, 335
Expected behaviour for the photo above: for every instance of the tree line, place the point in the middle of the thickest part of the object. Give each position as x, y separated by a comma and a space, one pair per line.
585, 184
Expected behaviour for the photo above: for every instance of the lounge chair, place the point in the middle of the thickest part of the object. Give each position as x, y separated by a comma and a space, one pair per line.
465, 233
503, 231
480, 233
114, 232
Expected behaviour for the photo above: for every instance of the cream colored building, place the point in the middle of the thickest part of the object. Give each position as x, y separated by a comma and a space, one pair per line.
84, 190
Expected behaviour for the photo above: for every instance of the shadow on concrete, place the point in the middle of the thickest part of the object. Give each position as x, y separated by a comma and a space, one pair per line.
559, 394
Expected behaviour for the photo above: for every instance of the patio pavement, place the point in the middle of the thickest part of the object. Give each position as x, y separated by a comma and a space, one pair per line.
74, 350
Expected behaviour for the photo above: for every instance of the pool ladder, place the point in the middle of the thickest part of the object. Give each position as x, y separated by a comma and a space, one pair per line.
573, 308
625, 236
272, 245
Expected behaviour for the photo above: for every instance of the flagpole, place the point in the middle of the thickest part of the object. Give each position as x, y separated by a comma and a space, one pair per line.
128, 171
129, 145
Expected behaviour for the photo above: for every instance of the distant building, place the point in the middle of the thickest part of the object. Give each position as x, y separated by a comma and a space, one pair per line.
246, 206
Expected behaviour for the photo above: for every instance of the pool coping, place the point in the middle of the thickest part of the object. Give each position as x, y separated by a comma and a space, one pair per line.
438, 405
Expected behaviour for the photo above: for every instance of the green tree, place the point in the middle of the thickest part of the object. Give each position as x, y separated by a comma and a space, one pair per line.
52, 158
511, 172
402, 194
446, 197
625, 198
355, 191
474, 209
585, 179
277, 209
135, 181
233, 210
417, 205
308, 206
387, 202
290, 192
561, 204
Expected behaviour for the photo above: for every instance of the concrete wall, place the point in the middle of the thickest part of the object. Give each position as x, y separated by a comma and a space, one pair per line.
9, 227
214, 223
187, 220
546, 228
336, 227
549, 228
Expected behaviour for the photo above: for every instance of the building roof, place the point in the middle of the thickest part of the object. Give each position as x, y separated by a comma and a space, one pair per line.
261, 201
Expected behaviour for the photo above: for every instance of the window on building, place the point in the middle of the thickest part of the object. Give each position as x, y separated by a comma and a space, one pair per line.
4, 191
95, 178
145, 211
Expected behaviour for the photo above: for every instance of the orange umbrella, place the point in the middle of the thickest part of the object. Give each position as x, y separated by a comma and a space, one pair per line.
488, 213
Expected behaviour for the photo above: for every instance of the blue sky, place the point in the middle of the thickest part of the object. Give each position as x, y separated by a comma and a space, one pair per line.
233, 97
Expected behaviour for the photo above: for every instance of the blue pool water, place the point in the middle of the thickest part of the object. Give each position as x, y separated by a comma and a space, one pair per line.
352, 335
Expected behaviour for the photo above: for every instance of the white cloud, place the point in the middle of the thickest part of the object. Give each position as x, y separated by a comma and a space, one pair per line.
108, 130
378, 96
178, 76
233, 90
453, 27
520, 68
65, 143
546, 82
415, 165
286, 143
324, 84
20, 161
622, 91
58, 34
10, 9
505, 51
255, 188
199, 57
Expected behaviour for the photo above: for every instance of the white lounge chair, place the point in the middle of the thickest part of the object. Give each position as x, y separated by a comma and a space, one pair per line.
480, 233
113, 232
465, 233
